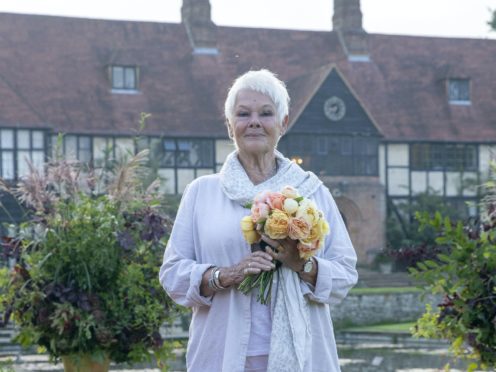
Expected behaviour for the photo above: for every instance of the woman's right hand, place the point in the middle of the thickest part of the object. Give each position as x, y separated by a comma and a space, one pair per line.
252, 264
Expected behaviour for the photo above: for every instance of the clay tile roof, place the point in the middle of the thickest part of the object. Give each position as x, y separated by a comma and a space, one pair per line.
53, 73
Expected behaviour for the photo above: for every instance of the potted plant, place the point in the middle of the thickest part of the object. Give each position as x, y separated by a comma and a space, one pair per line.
85, 284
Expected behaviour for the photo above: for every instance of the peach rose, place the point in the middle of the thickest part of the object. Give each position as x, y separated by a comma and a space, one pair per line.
290, 206
259, 212
298, 228
307, 250
276, 226
290, 192
276, 200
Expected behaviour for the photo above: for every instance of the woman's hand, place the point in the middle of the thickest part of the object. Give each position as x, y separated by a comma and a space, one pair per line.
286, 252
252, 264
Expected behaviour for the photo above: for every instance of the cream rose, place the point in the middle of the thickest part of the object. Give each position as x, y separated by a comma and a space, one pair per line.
308, 211
276, 226
290, 206
290, 192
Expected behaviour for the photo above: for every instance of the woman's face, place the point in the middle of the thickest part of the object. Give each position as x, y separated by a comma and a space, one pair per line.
255, 128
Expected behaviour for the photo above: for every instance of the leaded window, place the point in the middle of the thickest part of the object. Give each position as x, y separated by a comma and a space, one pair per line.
453, 157
18, 148
333, 155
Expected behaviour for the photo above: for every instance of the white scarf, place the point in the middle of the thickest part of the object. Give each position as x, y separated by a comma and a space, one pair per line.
291, 333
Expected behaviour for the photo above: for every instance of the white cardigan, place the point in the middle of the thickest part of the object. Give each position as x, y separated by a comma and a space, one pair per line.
207, 232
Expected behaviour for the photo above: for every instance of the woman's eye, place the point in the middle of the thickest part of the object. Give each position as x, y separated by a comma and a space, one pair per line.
267, 113
242, 113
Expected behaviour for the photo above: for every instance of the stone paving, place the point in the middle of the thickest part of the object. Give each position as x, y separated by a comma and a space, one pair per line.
362, 357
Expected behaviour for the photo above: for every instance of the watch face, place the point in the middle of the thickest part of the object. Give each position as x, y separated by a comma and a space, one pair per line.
308, 266
334, 108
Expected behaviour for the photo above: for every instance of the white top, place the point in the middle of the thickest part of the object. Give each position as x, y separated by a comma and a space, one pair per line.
207, 232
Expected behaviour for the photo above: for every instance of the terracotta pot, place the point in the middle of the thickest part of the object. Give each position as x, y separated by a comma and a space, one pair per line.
84, 363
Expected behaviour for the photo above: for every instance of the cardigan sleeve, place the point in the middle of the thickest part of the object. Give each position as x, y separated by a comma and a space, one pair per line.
336, 262
181, 274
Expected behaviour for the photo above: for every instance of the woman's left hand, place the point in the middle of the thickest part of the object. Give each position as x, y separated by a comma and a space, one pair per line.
287, 253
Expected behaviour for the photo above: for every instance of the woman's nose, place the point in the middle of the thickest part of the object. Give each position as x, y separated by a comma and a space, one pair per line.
255, 121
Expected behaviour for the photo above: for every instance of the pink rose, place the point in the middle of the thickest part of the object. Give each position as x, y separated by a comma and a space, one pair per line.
261, 197
259, 212
276, 200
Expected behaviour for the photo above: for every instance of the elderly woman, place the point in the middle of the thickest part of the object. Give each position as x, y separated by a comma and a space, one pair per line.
207, 257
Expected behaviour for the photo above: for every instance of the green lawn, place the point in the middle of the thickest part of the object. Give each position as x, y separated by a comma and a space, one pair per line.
384, 290
383, 328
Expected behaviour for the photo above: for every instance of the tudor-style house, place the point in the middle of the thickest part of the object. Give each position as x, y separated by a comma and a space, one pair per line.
380, 118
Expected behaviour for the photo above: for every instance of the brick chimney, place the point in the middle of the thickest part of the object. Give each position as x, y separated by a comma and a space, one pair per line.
202, 32
347, 22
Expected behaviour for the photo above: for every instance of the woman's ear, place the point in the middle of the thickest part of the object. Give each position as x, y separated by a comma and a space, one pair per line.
284, 125
229, 130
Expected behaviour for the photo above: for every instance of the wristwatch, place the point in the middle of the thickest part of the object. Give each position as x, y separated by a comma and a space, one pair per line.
308, 265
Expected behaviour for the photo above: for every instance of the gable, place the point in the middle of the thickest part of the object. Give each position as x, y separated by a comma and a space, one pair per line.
334, 109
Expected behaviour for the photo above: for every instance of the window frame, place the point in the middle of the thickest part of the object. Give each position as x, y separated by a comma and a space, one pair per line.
459, 99
124, 88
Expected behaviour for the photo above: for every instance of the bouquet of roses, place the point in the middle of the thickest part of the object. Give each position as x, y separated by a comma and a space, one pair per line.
281, 215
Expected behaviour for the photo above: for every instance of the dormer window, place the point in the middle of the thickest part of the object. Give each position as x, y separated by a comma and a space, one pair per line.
459, 91
124, 79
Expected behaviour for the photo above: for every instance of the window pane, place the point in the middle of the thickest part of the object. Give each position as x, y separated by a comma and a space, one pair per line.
184, 177
397, 154
143, 143
84, 142
458, 90
22, 165
8, 165
130, 79
222, 149
398, 182
7, 139
470, 184
100, 151
124, 148
453, 183
419, 182
117, 77
38, 139
38, 159
168, 181
23, 139
436, 182
70, 143
204, 152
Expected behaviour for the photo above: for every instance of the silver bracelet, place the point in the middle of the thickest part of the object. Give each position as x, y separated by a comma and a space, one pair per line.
217, 280
214, 281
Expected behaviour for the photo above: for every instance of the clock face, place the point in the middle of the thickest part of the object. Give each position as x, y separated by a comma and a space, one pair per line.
334, 108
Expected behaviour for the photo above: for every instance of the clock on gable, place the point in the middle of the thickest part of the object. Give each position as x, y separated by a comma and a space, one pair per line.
334, 108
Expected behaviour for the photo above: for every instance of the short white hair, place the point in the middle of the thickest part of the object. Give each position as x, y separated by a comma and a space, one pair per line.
262, 81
